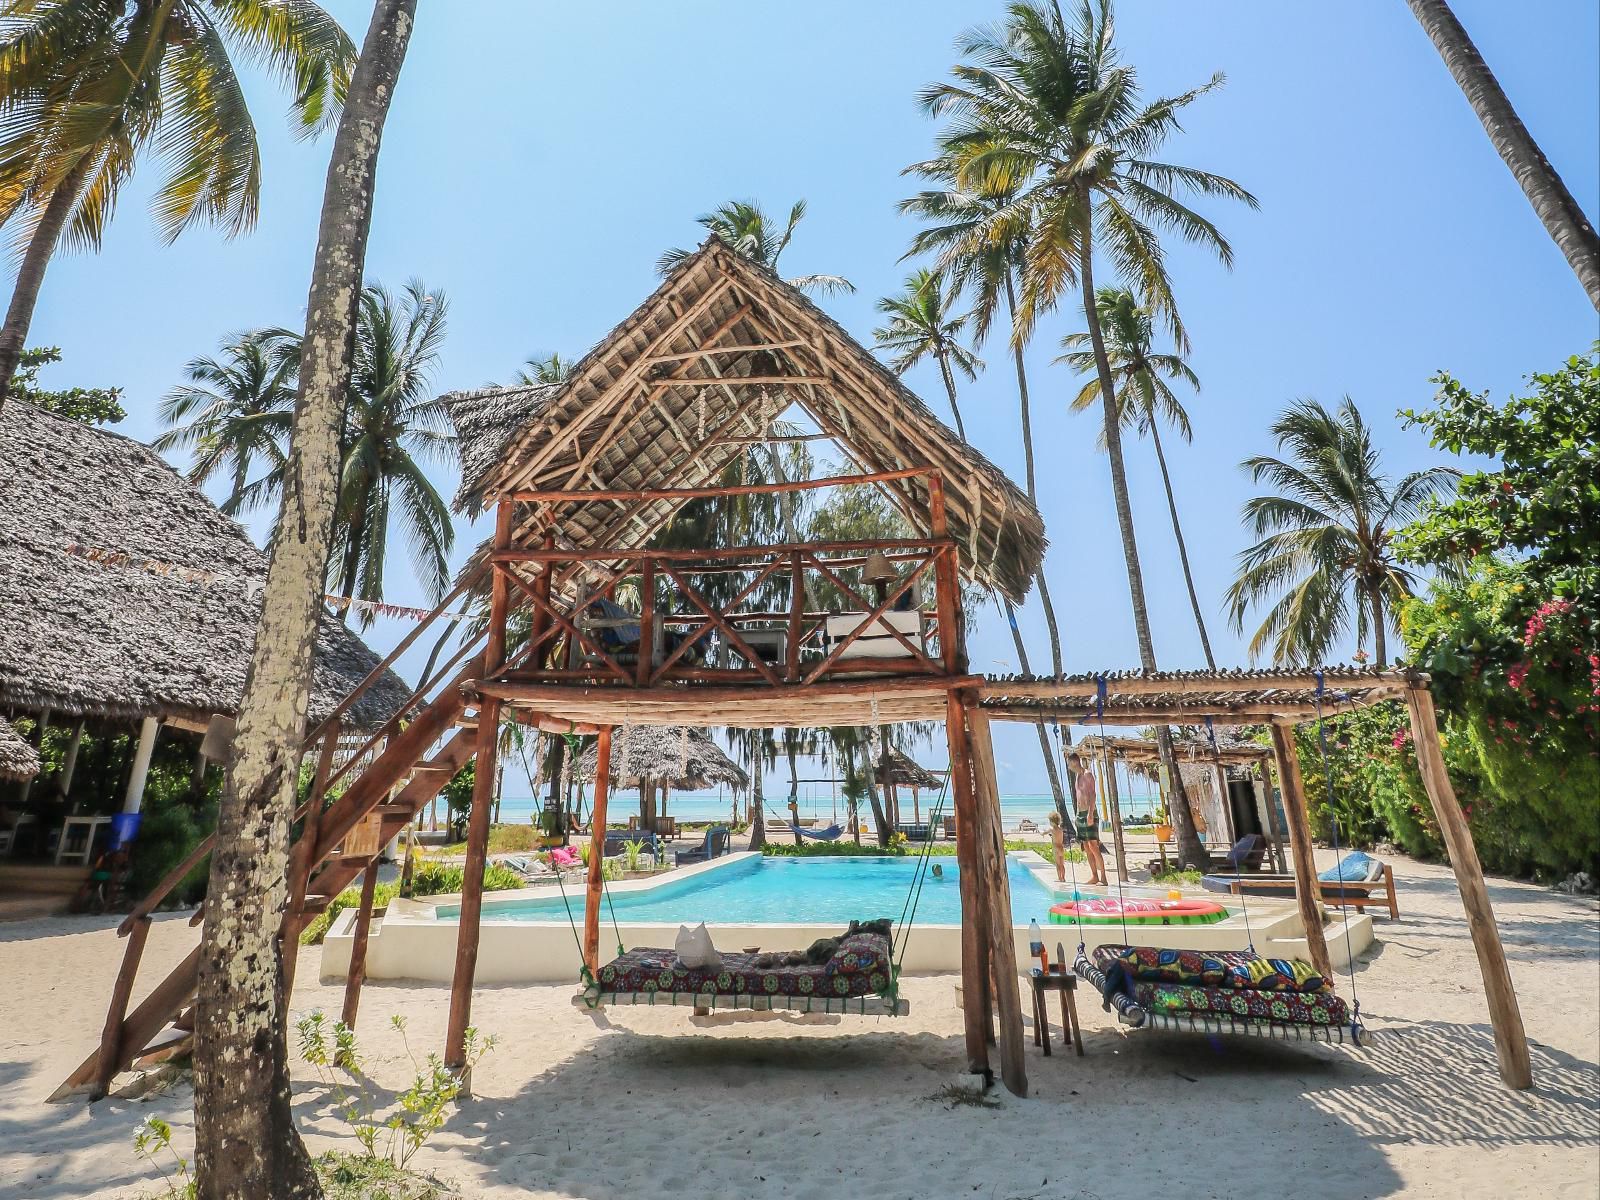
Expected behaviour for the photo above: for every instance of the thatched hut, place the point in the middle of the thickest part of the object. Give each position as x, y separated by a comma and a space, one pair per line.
659, 758
126, 596
18, 760
904, 772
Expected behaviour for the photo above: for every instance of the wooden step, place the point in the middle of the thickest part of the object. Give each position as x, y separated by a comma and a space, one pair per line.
169, 1043
316, 904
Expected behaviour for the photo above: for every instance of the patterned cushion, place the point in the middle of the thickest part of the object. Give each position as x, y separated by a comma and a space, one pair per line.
1293, 1008
656, 970
861, 953
1276, 975
1156, 965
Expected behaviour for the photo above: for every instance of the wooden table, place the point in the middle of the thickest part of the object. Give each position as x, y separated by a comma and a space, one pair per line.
1058, 979
91, 826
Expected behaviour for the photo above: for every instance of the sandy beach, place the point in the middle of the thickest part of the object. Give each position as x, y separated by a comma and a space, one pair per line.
657, 1101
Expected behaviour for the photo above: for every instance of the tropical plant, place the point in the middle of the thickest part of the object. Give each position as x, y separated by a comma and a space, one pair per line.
234, 413
552, 368
1144, 398
1325, 537
1563, 218
749, 231
1043, 111
88, 87
246, 1143
920, 326
92, 406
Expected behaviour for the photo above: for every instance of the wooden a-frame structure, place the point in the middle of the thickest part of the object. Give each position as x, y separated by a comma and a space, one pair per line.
581, 475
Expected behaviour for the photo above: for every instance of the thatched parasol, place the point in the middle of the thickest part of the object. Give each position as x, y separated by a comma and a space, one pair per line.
680, 757
18, 760
903, 772
125, 593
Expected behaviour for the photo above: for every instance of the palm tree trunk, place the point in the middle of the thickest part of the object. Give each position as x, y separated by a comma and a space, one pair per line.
1380, 639
246, 1144
1190, 847
1183, 550
30, 275
1563, 219
353, 531
793, 751
1046, 751
758, 800
950, 390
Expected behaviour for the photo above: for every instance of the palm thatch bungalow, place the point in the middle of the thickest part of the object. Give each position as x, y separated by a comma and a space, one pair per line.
656, 759
127, 598
18, 760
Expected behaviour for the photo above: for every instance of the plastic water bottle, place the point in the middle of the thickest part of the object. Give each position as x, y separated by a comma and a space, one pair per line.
1036, 945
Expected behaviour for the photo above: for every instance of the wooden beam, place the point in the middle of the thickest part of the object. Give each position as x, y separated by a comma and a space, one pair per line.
111, 1036
1273, 832
1114, 798
1002, 945
597, 851
1510, 1041
357, 973
1133, 717
710, 351
1307, 894
706, 493
974, 908
468, 928
1392, 682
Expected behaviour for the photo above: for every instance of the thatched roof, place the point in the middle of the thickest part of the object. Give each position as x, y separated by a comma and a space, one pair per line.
18, 760
616, 424
906, 773
680, 756
124, 592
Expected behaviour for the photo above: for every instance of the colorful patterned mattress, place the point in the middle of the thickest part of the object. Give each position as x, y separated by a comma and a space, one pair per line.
860, 967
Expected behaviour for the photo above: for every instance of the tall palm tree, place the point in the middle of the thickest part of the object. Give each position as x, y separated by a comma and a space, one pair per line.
1563, 218
919, 327
87, 87
1325, 537
245, 1139
235, 412
550, 369
750, 232
978, 236
1144, 398
1043, 109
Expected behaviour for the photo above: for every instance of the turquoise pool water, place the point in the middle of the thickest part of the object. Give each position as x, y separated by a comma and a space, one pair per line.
787, 891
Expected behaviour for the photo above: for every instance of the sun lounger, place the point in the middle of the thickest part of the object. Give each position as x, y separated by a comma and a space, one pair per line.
858, 981
717, 843
1374, 889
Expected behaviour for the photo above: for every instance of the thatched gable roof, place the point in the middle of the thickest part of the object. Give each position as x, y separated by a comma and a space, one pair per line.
18, 760
124, 592
616, 423
680, 756
904, 772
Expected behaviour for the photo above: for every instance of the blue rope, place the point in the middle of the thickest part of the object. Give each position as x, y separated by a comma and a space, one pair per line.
1333, 823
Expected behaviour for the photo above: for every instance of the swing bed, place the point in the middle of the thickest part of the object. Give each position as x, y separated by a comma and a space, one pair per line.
1228, 992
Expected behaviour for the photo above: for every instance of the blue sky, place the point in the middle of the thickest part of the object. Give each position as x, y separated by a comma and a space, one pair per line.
540, 156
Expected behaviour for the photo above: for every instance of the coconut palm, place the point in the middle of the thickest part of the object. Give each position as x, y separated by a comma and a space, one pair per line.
750, 232
1325, 536
1042, 110
1144, 398
234, 412
550, 369
1563, 218
919, 327
87, 87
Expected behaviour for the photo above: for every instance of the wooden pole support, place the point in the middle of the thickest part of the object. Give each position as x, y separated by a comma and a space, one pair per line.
1270, 803
1307, 893
974, 946
472, 884
1510, 1041
1113, 795
357, 973
111, 1036
597, 850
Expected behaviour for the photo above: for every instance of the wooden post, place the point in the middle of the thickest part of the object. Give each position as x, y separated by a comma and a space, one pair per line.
111, 1036
472, 883
1002, 945
1220, 774
357, 973
1307, 893
647, 621
946, 580
797, 618
1273, 832
974, 941
1510, 1042
1114, 797
597, 850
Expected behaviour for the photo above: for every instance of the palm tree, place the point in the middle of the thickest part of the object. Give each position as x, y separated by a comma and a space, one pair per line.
87, 87
1043, 112
750, 232
1325, 538
246, 1143
550, 369
235, 412
985, 266
1144, 398
919, 327
1563, 218
393, 424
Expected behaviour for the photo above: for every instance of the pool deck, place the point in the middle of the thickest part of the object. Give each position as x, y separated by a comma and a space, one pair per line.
410, 941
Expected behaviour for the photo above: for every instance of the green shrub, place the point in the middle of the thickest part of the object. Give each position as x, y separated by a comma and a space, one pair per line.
168, 832
427, 879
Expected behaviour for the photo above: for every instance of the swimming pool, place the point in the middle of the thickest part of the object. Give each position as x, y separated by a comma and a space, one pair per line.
787, 891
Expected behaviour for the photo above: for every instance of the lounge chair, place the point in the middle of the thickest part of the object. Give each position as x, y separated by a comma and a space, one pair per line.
858, 980
717, 843
1371, 884
617, 632
617, 840
914, 832
1247, 854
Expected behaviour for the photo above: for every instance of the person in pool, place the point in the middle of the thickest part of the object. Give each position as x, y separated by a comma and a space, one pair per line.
938, 871
1088, 817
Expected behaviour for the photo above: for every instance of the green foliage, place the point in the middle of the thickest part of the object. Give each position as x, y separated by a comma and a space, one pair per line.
458, 799
1377, 789
152, 1141
360, 1177
92, 406
167, 832
1177, 877
420, 1111
427, 879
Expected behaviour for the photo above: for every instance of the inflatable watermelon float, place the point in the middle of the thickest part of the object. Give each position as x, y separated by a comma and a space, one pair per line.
1108, 910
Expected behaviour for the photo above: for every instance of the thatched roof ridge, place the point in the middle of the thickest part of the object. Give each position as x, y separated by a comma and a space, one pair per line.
163, 628
680, 756
613, 423
905, 772
18, 760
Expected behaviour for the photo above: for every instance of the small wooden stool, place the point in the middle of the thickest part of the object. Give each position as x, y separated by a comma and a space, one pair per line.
1058, 979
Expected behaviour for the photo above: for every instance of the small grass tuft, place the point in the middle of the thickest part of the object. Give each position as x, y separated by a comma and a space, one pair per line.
953, 1095
357, 1177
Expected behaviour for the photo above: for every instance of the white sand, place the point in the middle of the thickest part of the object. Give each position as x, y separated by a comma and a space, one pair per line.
657, 1103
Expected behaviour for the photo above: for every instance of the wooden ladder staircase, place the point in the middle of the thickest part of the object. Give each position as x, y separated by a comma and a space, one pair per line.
414, 763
